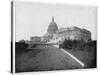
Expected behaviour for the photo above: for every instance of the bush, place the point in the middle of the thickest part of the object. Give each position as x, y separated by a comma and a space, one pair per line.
73, 44
20, 47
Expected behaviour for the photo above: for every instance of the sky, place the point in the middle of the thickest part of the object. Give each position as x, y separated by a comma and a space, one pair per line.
32, 19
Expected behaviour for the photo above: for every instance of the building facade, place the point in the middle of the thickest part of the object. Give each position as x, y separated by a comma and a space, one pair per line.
69, 33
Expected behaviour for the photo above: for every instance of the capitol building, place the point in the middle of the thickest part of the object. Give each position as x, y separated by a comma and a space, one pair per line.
68, 33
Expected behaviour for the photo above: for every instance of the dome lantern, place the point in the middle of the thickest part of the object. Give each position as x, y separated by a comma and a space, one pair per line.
52, 19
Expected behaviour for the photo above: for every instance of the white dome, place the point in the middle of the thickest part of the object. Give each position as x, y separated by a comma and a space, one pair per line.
52, 28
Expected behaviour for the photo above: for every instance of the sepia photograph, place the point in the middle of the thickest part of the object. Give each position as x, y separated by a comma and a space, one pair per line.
52, 37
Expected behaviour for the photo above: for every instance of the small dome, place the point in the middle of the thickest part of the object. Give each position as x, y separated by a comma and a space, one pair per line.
52, 28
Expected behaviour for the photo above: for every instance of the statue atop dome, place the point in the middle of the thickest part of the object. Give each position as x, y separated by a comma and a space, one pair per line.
52, 19
52, 28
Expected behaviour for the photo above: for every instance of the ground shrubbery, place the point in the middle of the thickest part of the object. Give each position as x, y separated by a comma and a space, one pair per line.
20, 47
78, 44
